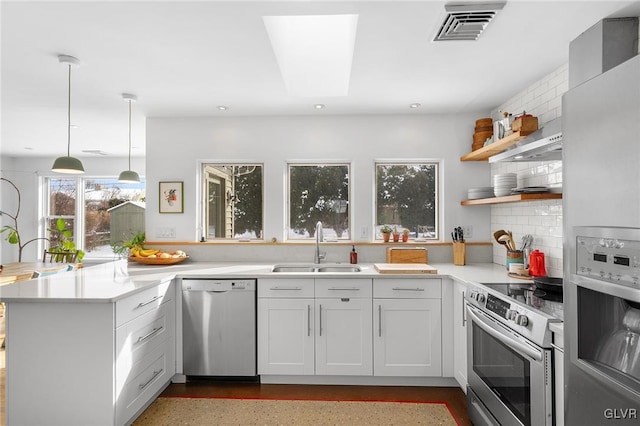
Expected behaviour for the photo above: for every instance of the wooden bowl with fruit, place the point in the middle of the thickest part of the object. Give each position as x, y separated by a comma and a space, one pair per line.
156, 257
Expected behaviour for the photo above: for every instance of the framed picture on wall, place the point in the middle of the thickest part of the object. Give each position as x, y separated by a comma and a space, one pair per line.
171, 197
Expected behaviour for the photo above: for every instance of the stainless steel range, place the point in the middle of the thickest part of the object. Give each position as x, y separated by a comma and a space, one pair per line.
510, 361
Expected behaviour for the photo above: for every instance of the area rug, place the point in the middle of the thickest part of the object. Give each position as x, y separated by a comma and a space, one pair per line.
222, 411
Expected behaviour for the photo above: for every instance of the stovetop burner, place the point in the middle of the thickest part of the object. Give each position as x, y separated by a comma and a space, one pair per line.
544, 300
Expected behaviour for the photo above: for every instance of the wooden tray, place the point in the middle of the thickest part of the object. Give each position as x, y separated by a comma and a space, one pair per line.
157, 260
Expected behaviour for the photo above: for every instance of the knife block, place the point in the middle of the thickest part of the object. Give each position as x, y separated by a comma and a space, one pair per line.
459, 254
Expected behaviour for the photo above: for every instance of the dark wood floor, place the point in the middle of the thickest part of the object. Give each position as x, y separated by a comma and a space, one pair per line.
453, 397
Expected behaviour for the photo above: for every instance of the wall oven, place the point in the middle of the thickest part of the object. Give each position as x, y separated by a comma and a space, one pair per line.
510, 370
603, 368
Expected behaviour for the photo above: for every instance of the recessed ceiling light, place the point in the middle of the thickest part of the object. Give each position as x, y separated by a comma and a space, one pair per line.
74, 126
318, 106
28, 148
222, 107
415, 105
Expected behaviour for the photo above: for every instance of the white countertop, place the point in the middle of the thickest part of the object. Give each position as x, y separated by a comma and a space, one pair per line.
108, 282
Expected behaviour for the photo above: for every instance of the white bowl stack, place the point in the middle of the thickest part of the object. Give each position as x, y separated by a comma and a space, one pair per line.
503, 183
482, 192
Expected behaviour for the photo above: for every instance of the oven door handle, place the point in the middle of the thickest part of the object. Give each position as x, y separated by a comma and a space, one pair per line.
520, 347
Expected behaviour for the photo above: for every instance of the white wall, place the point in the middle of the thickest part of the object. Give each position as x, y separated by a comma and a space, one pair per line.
24, 172
541, 219
175, 146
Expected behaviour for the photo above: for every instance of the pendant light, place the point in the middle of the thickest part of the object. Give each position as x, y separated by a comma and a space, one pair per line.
129, 176
68, 164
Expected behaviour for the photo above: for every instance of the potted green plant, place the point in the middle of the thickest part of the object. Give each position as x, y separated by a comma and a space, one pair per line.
405, 235
65, 246
386, 233
396, 234
12, 233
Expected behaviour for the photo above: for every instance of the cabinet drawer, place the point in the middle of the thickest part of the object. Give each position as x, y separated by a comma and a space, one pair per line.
139, 337
285, 288
343, 287
147, 377
143, 302
410, 288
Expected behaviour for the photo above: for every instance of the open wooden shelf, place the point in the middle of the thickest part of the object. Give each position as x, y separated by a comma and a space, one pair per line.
494, 148
512, 199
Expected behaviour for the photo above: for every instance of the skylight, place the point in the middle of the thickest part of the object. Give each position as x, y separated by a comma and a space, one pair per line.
314, 53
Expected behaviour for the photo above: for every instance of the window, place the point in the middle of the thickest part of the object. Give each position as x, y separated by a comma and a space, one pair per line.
233, 201
102, 211
407, 198
318, 192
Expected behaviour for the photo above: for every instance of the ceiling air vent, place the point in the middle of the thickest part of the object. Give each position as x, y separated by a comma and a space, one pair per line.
466, 21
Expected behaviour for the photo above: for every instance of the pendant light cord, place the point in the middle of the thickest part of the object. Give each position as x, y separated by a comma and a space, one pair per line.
69, 116
129, 134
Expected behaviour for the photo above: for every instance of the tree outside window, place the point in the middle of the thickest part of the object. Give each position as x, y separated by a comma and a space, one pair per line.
407, 198
318, 192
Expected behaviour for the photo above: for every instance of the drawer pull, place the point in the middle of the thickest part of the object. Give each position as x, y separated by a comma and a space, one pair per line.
155, 374
285, 288
146, 336
345, 288
407, 289
141, 304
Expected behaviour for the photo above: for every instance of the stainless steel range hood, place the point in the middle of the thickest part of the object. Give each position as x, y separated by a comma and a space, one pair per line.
544, 144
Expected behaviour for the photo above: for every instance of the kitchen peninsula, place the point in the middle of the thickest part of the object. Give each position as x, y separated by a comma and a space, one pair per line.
98, 344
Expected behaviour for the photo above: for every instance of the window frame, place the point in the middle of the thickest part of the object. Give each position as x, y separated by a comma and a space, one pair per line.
438, 163
79, 216
201, 214
287, 204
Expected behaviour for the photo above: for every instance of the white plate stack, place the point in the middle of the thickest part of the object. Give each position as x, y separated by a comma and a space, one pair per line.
483, 192
503, 183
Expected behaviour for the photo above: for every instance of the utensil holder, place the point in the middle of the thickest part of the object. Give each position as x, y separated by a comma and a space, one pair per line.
514, 256
459, 253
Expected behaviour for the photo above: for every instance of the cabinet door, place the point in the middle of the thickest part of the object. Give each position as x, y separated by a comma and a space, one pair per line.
343, 337
459, 335
285, 336
407, 337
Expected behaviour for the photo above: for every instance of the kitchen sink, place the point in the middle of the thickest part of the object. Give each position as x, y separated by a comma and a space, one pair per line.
339, 268
316, 268
291, 268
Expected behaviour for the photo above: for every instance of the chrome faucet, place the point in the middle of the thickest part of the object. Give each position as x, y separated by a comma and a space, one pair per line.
319, 238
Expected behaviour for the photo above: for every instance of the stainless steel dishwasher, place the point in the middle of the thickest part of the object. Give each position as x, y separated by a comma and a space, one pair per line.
219, 327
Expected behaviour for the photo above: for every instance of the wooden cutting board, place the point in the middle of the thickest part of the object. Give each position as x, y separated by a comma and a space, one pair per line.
405, 268
407, 255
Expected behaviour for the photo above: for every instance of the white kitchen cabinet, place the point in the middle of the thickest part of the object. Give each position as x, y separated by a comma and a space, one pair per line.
343, 337
460, 335
89, 363
285, 336
286, 341
329, 334
407, 327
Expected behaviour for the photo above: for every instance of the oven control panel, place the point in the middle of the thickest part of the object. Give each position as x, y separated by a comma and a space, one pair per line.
609, 259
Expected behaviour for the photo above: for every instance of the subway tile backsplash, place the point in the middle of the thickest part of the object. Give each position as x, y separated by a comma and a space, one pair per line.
541, 219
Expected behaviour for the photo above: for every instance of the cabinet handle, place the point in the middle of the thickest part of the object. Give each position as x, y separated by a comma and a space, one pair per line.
320, 320
464, 311
155, 374
141, 304
345, 288
556, 347
146, 336
379, 320
308, 320
407, 289
285, 288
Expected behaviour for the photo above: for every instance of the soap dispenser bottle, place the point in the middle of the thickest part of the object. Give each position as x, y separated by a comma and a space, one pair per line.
353, 257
